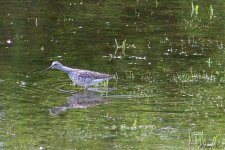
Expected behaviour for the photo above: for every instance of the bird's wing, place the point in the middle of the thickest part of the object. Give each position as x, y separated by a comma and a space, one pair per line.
92, 75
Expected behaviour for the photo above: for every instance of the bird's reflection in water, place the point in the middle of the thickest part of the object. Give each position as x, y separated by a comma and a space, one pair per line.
80, 100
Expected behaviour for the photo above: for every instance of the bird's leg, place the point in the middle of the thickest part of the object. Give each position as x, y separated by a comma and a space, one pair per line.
85, 88
75, 86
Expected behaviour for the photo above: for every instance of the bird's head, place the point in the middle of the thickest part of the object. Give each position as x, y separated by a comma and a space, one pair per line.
55, 65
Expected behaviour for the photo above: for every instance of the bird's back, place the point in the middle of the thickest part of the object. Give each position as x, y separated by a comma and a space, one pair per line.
92, 75
87, 78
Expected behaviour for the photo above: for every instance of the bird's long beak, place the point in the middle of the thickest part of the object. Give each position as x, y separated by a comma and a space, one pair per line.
47, 69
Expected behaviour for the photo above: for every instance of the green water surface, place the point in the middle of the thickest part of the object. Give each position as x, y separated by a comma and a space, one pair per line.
167, 55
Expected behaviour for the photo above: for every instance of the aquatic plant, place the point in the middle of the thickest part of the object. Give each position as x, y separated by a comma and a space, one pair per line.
198, 139
135, 123
123, 47
102, 88
156, 4
194, 9
192, 77
209, 62
130, 76
210, 12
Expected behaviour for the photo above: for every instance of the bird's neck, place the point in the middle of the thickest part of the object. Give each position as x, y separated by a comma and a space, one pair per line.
65, 69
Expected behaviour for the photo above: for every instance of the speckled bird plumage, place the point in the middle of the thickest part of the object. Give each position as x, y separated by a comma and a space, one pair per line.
80, 77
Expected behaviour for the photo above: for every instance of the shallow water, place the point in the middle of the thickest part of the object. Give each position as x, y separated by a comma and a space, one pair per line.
168, 57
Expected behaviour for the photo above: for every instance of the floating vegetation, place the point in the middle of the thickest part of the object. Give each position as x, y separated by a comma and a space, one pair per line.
138, 58
113, 56
146, 131
168, 133
134, 129
22, 83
